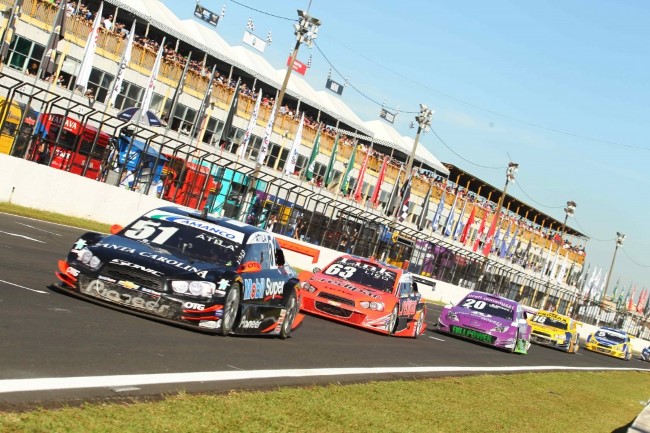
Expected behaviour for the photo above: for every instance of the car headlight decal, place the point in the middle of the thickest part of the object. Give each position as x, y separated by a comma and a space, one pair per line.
197, 288
500, 328
453, 316
376, 306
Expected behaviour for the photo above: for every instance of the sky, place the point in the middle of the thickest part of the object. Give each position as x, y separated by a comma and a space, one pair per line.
560, 87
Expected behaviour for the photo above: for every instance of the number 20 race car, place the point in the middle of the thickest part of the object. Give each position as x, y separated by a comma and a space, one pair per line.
365, 293
173, 264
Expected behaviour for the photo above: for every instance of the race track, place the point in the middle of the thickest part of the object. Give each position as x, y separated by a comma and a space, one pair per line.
80, 347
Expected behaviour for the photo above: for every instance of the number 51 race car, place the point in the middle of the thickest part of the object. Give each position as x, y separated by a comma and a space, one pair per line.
366, 293
173, 264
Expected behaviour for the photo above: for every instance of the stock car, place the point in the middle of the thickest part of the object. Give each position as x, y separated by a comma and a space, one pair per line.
554, 330
177, 265
610, 341
366, 293
645, 354
488, 319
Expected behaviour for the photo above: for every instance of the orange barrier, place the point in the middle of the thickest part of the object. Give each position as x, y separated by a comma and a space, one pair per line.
300, 248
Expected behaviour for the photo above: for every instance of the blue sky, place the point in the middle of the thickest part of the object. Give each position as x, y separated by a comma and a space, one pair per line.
560, 87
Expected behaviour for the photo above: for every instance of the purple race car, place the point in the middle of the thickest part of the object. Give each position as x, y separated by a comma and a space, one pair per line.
488, 319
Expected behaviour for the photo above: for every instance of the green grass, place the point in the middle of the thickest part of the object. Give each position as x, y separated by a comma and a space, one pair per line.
54, 217
533, 402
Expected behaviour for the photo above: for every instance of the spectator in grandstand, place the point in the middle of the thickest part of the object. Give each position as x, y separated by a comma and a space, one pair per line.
128, 178
108, 23
271, 223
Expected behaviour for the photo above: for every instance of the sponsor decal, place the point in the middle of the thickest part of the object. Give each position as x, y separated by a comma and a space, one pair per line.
250, 324
79, 245
168, 261
97, 289
128, 285
72, 271
210, 324
201, 225
408, 307
216, 241
350, 287
470, 333
260, 288
202, 274
259, 238
193, 306
107, 279
120, 262
116, 247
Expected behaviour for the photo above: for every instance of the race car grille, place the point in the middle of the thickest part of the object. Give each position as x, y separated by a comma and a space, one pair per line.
603, 349
122, 273
542, 334
332, 309
331, 297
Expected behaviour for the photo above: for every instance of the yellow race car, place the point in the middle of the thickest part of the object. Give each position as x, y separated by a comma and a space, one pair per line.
610, 341
554, 330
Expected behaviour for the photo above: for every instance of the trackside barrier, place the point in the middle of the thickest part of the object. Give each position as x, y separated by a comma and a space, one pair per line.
29, 184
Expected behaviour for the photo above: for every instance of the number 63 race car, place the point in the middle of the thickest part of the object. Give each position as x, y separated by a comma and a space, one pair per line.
365, 293
174, 264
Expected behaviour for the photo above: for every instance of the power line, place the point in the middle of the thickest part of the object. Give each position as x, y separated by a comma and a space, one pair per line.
589, 236
518, 183
461, 157
263, 12
634, 261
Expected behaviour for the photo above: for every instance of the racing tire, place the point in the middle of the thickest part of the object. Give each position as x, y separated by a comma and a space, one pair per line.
393, 320
292, 310
230, 309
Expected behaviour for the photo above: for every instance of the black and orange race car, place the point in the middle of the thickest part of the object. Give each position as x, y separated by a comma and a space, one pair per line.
365, 293
174, 264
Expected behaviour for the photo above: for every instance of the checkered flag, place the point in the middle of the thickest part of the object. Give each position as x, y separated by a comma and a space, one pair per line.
406, 199
269, 39
250, 26
309, 62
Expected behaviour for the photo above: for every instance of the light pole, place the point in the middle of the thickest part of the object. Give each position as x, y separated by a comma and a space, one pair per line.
306, 30
512, 169
424, 121
620, 237
569, 210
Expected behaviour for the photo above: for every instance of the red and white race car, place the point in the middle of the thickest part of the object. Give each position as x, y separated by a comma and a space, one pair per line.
365, 293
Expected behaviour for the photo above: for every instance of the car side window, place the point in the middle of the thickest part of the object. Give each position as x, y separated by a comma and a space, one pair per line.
405, 290
258, 253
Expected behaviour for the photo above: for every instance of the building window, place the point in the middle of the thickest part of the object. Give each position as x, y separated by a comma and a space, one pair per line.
25, 55
100, 82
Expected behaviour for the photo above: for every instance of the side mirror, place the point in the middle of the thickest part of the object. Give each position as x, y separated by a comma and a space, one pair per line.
115, 229
279, 257
415, 287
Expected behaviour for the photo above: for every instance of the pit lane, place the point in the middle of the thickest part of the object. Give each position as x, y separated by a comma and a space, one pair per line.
46, 334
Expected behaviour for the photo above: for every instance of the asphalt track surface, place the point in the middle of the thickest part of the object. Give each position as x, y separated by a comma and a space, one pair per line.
69, 350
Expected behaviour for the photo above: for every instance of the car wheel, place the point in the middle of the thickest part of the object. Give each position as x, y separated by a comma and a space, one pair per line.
230, 309
392, 320
292, 309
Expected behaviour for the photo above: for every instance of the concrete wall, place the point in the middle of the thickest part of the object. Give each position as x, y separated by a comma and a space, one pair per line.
37, 186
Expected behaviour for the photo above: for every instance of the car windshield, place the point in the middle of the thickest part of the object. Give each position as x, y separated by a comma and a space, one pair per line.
490, 308
614, 337
550, 321
363, 273
196, 239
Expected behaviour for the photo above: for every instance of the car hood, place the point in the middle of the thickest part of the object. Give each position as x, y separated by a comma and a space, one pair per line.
475, 319
604, 341
346, 288
546, 328
121, 251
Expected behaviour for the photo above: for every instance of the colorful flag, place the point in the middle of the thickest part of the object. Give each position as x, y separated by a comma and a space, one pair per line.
459, 224
266, 141
10, 31
468, 224
481, 231
358, 190
202, 117
509, 250
151, 84
178, 91
48, 61
393, 198
630, 302
292, 157
124, 63
487, 246
345, 181
89, 52
450, 217
380, 179
243, 147
422, 219
329, 173
405, 195
311, 165
435, 222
